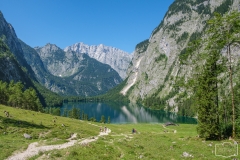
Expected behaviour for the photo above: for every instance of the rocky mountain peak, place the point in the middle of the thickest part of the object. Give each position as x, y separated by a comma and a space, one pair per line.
77, 72
48, 48
116, 58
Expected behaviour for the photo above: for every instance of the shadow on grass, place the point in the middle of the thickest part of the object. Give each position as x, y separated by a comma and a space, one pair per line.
19, 123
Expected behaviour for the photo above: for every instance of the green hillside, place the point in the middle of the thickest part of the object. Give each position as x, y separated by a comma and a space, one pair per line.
152, 141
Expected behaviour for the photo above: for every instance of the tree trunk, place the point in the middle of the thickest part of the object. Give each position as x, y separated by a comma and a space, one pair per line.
231, 86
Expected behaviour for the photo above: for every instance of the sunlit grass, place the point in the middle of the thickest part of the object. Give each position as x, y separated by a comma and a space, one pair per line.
152, 141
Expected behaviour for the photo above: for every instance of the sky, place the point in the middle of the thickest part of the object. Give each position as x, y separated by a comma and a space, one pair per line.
117, 23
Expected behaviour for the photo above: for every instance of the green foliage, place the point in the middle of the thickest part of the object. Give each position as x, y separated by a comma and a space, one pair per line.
155, 102
109, 120
145, 76
151, 141
142, 46
159, 103
183, 37
184, 7
13, 95
224, 7
53, 111
40, 126
179, 6
114, 94
214, 117
161, 57
169, 72
75, 113
188, 52
174, 26
202, 9
93, 119
48, 98
195, 36
102, 120
186, 105
4, 50
206, 99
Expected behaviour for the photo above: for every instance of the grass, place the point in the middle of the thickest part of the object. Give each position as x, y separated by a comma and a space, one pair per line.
152, 141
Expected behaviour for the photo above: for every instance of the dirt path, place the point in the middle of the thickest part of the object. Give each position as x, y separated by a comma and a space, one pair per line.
34, 148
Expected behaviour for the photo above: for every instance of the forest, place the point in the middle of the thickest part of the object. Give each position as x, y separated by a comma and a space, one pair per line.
215, 97
13, 94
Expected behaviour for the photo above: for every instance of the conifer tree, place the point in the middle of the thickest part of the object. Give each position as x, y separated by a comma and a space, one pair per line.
222, 34
225, 34
103, 120
109, 121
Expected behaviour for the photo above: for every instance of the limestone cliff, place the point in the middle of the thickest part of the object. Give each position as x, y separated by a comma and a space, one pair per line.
116, 58
155, 65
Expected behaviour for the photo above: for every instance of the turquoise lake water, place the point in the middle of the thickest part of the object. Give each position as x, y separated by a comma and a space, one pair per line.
127, 113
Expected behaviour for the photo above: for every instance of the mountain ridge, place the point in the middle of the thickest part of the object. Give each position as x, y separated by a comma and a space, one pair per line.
156, 65
119, 60
76, 71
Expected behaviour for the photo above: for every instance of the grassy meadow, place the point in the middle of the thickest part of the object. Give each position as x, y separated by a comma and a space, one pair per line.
152, 141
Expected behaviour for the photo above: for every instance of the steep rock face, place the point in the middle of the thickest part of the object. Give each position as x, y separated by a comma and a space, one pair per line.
116, 58
9, 37
56, 61
9, 67
12, 63
74, 74
34, 60
155, 64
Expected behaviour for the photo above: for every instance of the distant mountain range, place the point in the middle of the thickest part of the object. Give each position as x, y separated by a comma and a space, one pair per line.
67, 72
116, 58
153, 70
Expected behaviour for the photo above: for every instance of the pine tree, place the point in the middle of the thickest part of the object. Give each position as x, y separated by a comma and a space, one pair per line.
3, 92
109, 121
102, 119
205, 83
225, 33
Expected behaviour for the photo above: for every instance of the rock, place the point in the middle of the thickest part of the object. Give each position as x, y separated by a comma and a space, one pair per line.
116, 58
170, 123
27, 136
185, 154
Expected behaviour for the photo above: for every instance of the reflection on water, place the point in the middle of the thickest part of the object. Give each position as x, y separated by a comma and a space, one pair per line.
130, 113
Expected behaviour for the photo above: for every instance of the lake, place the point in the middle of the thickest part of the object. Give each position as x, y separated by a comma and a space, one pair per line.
130, 113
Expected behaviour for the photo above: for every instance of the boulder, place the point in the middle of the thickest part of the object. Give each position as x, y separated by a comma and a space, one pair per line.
27, 136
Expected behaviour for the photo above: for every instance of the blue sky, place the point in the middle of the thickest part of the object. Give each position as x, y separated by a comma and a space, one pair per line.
117, 23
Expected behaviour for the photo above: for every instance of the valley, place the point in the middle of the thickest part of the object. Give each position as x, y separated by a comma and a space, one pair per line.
176, 96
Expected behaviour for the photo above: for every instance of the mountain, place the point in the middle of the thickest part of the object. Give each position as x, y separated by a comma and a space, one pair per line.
13, 65
116, 58
10, 68
65, 73
70, 73
9, 37
156, 65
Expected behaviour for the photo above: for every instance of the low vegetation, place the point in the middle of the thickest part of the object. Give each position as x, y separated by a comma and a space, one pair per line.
151, 141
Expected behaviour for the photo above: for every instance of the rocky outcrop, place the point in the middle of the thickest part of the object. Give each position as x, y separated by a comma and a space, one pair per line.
155, 65
71, 73
116, 58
